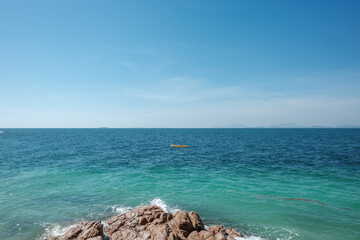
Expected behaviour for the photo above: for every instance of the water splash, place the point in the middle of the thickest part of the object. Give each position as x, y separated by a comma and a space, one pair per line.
160, 203
120, 209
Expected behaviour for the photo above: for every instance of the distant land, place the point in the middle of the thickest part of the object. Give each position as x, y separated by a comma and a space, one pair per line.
288, 125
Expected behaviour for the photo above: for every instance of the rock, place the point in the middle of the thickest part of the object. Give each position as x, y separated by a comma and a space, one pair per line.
125, 234
220, 236
173, 236
206, 234
233, 232
72, 233
195, 235
85, 230
154, 230
149, 223
196, 221
96, 238
184, 221
160, 236
216, 229
142, 221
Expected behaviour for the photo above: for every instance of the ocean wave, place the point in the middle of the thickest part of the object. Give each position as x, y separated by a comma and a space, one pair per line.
55, 230
166, 208
120, 209
249, 238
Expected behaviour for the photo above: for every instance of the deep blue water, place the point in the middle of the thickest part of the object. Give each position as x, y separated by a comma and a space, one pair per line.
267, 183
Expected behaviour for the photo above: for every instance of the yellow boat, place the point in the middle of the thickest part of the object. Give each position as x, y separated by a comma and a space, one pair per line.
183, 146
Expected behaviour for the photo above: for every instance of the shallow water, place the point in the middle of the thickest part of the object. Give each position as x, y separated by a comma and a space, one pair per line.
267, 183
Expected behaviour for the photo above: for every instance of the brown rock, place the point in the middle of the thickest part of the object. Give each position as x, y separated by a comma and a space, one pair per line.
125, 234
230, 237
84, 230
196, 221
173, 236
183, 221
220, 236
115, 223
216, 229
233, 232
149, 223
142, 221
95, 238
72, 233
206, 234
154, 230
160, 236
194, 235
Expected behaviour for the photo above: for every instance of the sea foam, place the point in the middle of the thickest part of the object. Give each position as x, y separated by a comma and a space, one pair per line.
160, 203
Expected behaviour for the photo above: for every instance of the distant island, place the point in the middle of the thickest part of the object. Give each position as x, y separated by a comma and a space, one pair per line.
288, 125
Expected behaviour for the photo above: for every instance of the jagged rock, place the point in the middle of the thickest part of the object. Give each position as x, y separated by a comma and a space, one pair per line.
85, 230
206, 234
149, 223
194, 235
217, 229
233, 232
173, 236
183, 221
95, 238
196, 221
220, 236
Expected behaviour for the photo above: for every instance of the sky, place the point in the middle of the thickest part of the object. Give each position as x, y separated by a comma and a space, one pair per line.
179, 64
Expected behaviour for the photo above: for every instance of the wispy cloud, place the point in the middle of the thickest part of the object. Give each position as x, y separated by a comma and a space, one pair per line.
128, 64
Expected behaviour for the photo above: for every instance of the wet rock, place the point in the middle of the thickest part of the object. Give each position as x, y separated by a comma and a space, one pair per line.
85, 230
173, 236
217, 229
220, 236
196, 221
96, 238
194, 236
183, 221
233, 232
206, 234
149, 223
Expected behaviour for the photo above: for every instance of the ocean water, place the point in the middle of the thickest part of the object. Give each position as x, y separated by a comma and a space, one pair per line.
267, 183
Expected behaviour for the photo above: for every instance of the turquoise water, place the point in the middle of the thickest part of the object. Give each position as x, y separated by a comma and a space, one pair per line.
249, 179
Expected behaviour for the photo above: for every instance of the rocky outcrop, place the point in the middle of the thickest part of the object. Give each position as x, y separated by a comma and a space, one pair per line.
149, 223
85, 230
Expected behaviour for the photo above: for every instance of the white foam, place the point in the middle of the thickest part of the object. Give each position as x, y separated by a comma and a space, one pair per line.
120, 209
55, 230
160, 203
249, 238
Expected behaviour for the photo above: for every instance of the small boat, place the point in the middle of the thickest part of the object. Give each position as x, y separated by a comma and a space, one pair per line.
1, 132
182, 146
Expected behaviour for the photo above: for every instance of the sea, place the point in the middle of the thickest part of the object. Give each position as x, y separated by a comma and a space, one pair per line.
266, 183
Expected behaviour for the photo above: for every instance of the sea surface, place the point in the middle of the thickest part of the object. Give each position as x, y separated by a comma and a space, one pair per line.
267, 183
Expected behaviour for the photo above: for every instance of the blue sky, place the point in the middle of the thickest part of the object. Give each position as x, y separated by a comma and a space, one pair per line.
179, 63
